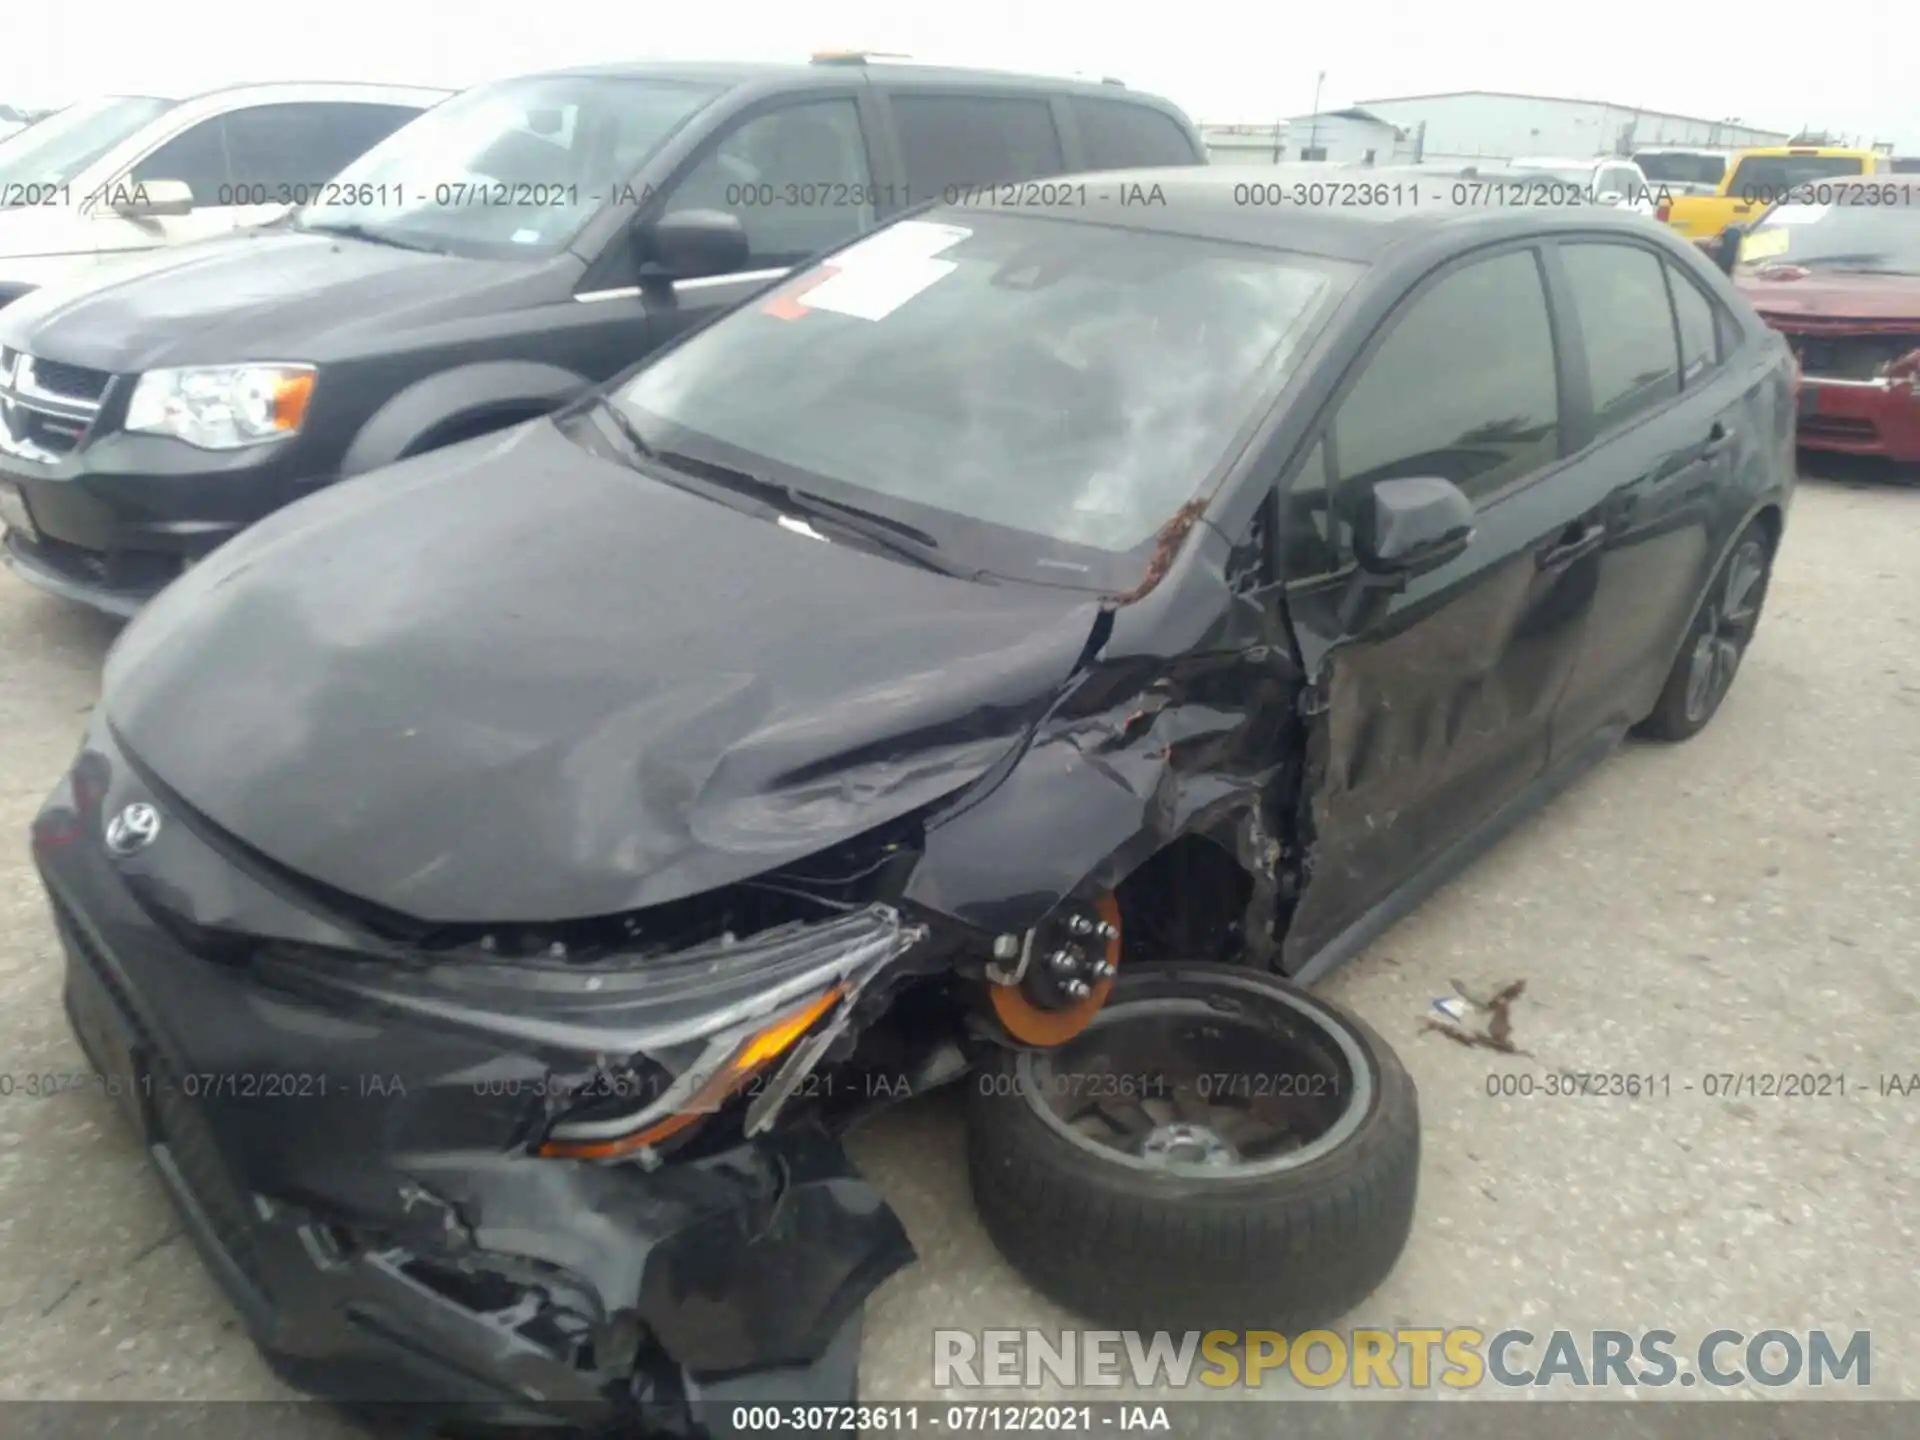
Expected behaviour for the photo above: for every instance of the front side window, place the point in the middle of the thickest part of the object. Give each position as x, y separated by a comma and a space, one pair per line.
956, 143
511, 169
1040, 396
1626, 325
1462, 387
796, 177
197, 157
270, 154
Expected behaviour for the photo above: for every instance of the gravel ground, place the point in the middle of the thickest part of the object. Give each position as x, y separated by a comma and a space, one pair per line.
1743, 903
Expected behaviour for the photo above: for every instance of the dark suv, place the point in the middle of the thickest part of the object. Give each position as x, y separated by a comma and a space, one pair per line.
517, 243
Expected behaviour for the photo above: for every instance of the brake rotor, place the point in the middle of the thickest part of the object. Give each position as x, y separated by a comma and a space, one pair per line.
1032, 1024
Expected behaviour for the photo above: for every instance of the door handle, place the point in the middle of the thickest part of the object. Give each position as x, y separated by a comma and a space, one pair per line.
1582, 537
1718, 439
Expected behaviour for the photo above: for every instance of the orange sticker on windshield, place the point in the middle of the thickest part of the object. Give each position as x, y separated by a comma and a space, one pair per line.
785, 303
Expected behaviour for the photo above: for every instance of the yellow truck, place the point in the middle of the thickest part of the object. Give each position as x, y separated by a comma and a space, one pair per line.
1760, 177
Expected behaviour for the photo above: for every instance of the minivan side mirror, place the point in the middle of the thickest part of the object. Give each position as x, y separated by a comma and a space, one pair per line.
1406, 527
689, 244
151, 199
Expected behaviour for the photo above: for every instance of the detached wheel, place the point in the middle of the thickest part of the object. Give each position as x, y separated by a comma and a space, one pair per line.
1716, 641
1218, 1149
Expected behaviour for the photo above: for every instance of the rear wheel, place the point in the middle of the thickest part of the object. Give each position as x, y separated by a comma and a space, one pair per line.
1716, 642
1218, 1149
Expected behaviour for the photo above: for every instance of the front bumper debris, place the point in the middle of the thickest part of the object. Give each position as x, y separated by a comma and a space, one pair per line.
360, 1181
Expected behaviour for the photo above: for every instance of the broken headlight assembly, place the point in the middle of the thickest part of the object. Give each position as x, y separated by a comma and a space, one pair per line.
640, 1048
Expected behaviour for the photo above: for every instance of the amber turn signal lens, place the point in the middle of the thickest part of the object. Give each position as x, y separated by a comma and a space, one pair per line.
755, 1053
291, 394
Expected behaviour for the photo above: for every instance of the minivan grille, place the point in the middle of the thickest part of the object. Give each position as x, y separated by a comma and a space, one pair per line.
46, 406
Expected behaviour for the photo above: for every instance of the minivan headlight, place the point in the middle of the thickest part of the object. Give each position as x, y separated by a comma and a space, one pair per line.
222, 407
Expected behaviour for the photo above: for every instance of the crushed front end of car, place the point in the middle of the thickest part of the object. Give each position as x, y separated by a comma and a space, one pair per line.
393, 1150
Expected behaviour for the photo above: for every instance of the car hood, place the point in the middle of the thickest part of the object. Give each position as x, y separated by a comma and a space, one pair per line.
1830, 295
269, 294
38, 230
512, 680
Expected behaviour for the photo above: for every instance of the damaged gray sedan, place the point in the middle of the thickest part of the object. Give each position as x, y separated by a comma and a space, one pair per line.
1026, 646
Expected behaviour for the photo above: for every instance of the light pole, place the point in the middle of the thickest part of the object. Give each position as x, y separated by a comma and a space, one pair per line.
1313, 126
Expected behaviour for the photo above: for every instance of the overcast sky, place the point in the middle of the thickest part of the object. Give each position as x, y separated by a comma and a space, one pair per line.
1845, 67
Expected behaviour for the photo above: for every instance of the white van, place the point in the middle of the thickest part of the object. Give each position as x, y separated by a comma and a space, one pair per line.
122, 173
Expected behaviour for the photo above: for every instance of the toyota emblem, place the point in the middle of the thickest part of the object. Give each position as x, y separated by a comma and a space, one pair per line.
134, 828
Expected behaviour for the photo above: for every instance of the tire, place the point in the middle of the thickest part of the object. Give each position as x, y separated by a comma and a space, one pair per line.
1285, 1242
1717, 640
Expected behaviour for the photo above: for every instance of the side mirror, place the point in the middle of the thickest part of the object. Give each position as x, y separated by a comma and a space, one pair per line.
151, 199
1724, 248
1410, 526
1610, 197
689, 244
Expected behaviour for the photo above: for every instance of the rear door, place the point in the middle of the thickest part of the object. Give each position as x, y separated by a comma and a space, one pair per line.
1656, 415
1423, 720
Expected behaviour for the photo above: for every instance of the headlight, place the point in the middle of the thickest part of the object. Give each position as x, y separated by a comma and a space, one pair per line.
223, 407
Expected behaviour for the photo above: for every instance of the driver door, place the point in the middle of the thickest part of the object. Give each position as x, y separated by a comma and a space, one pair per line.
798, 177
1425, 716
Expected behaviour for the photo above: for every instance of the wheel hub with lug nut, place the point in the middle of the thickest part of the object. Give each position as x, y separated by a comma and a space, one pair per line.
1182, 1143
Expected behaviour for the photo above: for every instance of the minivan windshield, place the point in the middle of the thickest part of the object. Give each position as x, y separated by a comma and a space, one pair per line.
1877, 232
1037, 396
1681, 167
513, 168
51, 153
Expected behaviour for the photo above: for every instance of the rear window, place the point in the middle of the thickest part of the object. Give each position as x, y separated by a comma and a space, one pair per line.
1117, 135
1681, 167
1767, 178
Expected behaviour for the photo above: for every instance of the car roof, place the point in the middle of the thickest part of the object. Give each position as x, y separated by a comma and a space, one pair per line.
1212, 202
289, 90
835, 72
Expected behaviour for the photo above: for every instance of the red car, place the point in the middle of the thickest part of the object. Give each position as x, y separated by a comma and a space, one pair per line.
1838, 273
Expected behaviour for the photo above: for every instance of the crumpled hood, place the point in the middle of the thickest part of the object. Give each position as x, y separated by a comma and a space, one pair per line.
265, 294
1834, 295
512, 680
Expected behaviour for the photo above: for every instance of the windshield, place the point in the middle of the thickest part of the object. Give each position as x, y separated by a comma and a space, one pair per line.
515, 168
53, 151
1860, 236
1038, 396
1681, 167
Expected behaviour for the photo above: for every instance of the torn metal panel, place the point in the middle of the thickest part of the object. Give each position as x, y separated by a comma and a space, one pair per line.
1181, 723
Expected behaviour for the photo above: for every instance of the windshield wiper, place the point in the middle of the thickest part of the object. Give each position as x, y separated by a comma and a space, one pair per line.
356, 231
896, 537
623, 422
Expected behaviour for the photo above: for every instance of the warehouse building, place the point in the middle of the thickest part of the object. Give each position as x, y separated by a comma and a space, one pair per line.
1345, 137
1491, 124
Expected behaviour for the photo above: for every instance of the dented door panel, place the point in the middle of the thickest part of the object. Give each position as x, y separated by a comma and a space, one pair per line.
1434, 715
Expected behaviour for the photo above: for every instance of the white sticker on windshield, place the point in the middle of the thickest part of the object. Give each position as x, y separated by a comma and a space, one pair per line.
875, 277
875, 288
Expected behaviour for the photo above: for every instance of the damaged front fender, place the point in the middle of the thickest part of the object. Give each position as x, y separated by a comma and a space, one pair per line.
1181, 722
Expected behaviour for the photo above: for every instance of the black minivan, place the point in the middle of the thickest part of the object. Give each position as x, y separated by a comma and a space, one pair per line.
521, 241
